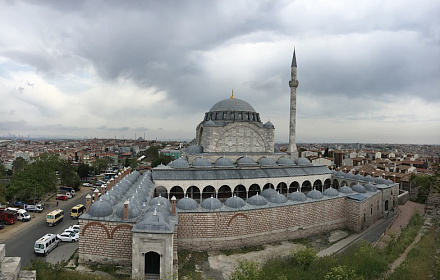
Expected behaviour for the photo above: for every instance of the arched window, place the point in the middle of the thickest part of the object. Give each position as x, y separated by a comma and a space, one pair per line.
240, 191
160, 190
176, 191
268, 185
253, 190
294, 186
224, 193
194, 193
306, 187
317, 185
208, 191
282, 188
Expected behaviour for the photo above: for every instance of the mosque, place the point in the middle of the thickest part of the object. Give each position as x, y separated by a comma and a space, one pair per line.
231, 188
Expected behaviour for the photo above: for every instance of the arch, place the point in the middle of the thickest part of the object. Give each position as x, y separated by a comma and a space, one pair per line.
224, 193
386, 205
282, 188
160, 190
306, 186
98, 224
194, 193
317, 185
268, 185
152, 263
344, 183
327, 183
237, 215
253, 190
240, 191
335, 184
177, 191
118, 227
208, 191
293, 187
352, 184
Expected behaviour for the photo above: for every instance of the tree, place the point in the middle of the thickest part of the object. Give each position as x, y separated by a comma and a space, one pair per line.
100, 164
132, 162
304, 257
342, 272
245, 270
19, 164
83, 171
68, 176
161, 160
152, 153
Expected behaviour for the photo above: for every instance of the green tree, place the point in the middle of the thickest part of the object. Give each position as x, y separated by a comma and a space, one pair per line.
245, 270
18, 165
100, 164
67, 174
304, 257
83, 171
132, 162
152, 153
342, 272
161, 160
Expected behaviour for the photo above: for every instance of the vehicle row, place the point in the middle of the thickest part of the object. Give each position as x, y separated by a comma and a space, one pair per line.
50, 241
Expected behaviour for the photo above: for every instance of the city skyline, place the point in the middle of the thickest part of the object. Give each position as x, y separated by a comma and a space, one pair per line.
368, 72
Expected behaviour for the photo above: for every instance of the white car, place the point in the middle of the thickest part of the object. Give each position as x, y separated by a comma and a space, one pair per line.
68, 237
71, 229
75, 227
87, 185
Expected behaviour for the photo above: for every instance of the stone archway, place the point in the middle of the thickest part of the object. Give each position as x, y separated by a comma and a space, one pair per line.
294, 186
253, 190
177, 191
160, 190
335, 184
240, 191
208, 192
152, 263
317, 185
194, 193
282, 188
306, 186
224, 193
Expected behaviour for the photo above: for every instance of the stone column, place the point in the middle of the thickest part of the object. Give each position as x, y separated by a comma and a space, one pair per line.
126, 205
173, 206
88, 201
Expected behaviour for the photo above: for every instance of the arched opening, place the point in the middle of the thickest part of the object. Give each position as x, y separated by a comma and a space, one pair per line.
294, 186
344, 183
162, 191
224, 193
240, 191
386, 205
194, 193
335, 184
327, 184
317, 185
208, 191
176, 191
253, 190
282, 188
152, 263
352, 184
306, 187
268, 185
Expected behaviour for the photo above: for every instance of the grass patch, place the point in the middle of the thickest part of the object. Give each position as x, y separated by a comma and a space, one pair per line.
242, 250
187, 264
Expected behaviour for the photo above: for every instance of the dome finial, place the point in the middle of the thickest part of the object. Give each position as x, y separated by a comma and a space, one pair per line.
232, 96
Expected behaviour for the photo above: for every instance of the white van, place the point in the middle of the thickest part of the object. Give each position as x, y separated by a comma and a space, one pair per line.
22, 215
46, 244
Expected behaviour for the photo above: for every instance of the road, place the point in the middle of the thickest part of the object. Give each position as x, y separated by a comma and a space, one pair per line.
20, 238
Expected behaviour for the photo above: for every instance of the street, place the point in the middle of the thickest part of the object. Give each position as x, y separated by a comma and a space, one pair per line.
20, 237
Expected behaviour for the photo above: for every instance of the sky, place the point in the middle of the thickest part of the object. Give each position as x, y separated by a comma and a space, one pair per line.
368, 71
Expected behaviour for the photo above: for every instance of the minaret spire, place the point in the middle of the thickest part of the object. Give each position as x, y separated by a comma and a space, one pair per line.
232, 96
293, 84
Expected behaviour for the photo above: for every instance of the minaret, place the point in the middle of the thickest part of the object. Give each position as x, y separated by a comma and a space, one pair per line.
293, 83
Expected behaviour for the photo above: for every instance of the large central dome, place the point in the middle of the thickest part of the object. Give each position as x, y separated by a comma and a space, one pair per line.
233, 105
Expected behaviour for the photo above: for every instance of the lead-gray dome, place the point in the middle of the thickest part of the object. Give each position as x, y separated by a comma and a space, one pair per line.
100, 208
267, 193
201, 163
276, 149
133, 211
194, 149
285, 161
224, 162
179, 163
257, 200
267, 162
268, 125
161, 200
303, 161
331, 192
278, 198
233, 105
186, 203
246, 161
235, 202
345, 189
369, 187
211, 203
315, 194
153, 223
210, 123
359, 188
297, 196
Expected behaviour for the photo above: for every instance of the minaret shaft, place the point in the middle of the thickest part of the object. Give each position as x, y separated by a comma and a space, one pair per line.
293, 84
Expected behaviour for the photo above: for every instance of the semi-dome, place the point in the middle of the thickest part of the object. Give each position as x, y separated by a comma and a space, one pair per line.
100, 208
278, 198
235, 202
194, 149
285, 161
201, 163
257, 200
369, 187
268, 125
315, 194
345, 189
359, 188
267, 193
246, 161
331, 192
211, 204
233, 105
179, 163
297, 196
186, 203
303, 161
224, 162
267, 162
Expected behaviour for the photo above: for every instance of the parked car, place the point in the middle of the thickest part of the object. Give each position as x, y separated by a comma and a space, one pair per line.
87, 185
71, 230
75, 227
61, 197
68, 237
19, 203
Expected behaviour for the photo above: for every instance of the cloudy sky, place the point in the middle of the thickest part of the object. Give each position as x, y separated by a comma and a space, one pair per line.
368, 71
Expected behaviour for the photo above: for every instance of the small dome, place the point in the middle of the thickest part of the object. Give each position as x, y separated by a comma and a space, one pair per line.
297, 196
161, 166
133, 211
369, 187
187, 203
368, 178
267, 162
285, 161
315, 194
278, 198
153, 222
246, 161
389, 182
268, 125
194, 149
345, 189
303, 161
331, 192
224, 162
267, 193
339, 174
161, 200
257, 200
100, 208
201, 163
380, 180
358, 188
359, 177
235, 202
210, 123
179, 163
350, 175
233, 105
276, 149
160, 209
211, 203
